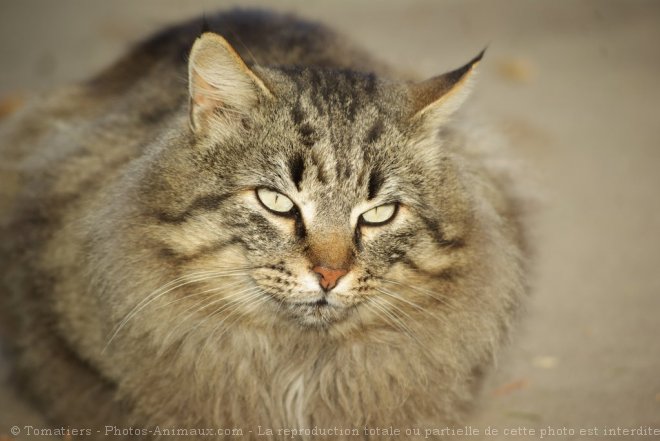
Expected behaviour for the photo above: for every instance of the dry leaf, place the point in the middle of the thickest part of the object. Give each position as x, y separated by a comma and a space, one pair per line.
10, 104
511, 387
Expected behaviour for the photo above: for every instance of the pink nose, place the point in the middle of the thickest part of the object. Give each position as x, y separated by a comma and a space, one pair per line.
329, 276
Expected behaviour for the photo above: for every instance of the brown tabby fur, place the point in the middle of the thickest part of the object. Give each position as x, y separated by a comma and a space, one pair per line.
113, 188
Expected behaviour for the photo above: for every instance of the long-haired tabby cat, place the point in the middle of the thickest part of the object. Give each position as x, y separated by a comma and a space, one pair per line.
294, 239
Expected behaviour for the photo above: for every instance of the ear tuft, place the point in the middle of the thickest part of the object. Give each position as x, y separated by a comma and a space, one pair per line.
439, 97
206, 27
219, 80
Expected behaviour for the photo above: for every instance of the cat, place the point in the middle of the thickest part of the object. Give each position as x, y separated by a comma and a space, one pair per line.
297, 238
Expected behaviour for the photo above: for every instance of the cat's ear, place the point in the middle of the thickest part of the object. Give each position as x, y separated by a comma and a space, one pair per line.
436, 99
219, 81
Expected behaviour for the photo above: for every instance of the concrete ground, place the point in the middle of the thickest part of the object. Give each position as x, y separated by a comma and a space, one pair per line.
574, 85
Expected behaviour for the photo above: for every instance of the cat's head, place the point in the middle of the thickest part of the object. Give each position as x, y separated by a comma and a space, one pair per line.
316, 194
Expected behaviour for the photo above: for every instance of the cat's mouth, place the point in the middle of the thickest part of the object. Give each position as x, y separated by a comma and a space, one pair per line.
321, 302
320, 312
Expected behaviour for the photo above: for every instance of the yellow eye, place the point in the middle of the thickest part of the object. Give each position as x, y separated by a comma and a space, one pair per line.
274, 201
379, 215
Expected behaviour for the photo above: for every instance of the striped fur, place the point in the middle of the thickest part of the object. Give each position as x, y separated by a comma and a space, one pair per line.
145, 285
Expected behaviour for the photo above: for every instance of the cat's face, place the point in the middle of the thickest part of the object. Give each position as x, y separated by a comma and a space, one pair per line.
324, 201
329, 198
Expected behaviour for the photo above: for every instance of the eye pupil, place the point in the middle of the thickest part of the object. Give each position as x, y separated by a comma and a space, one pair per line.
274, 201
379, 215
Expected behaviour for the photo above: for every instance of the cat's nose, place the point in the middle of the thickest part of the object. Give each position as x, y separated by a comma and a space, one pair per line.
329, 276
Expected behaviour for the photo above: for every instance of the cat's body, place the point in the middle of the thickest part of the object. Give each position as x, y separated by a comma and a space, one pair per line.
144, 287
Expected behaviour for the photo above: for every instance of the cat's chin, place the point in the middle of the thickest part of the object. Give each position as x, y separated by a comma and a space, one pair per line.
318, 314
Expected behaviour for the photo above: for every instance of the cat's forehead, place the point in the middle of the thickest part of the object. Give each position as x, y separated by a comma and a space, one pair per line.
345, 127
334, 97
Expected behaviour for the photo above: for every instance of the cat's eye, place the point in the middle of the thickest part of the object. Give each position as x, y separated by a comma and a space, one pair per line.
379, 215
274, 201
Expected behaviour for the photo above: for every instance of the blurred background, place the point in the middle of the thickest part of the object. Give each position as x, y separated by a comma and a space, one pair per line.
573, 87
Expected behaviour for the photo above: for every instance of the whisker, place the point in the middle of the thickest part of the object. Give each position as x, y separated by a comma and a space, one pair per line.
368, 305
387, 318
205, 304
393, 295
394, 316
253, 304
247, 292
426, 292
237, 305
153, 296
398, 322
180, 320
425, 311
206, 291
195, 277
